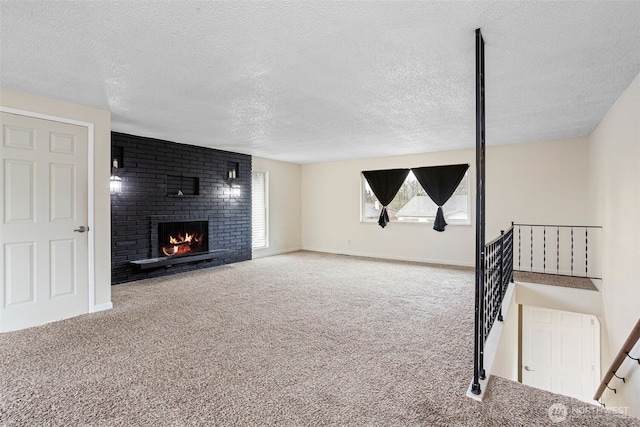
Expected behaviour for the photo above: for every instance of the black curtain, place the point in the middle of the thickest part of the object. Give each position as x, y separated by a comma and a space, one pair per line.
440, 182
385, 185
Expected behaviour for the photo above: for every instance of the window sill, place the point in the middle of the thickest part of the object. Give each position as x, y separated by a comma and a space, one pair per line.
418, 223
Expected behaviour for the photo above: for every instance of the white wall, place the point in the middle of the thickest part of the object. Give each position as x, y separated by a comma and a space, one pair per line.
543, 182
561, 298
615, 204
331, 214
506, 361
102, 169
284, 206
539, 183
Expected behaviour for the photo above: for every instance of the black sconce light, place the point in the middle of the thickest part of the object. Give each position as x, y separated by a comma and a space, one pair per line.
115, 182
235, 187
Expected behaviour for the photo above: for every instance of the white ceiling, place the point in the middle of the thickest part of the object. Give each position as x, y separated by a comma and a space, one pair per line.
321, 81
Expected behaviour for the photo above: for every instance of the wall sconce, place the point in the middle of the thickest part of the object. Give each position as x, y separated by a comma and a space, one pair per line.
235, 187
115, 182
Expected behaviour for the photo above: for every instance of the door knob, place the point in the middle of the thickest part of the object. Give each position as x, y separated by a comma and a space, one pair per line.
526, 368
81, 229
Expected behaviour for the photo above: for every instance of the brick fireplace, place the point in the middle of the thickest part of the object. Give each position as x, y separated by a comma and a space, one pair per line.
179, 189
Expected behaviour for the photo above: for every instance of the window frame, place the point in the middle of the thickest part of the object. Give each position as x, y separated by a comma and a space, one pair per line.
266, 209
429, 221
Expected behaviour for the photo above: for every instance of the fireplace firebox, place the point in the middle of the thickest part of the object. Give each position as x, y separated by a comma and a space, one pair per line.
182, 238
178, 240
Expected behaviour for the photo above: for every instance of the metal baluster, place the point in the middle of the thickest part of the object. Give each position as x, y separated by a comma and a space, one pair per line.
511, 255
544, 249
586, 252
500, 274
572, 251
531, 248
519, 248
558, 250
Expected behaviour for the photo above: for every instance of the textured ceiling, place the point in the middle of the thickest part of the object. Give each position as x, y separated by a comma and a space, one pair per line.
321, 81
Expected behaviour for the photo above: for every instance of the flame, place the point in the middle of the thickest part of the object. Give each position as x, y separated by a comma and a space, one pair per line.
181, 244
179, 239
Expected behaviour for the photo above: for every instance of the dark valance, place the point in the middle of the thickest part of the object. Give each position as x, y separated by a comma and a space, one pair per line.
385, 185
440, 182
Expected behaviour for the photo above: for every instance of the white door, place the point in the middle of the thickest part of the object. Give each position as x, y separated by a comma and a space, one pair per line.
561, 352
43, 227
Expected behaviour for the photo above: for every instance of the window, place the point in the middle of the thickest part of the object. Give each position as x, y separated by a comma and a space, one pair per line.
259, 210
412, 204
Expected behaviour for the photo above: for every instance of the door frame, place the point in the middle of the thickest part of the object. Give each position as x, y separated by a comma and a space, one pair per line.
91, 290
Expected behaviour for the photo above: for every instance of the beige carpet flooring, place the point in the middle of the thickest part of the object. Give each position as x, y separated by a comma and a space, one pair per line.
553, 280
302, 339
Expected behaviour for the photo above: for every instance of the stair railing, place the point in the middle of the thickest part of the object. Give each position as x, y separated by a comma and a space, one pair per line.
564, 250
628, 345
498, 273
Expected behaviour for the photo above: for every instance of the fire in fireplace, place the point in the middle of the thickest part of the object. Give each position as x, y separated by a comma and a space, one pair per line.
182, 238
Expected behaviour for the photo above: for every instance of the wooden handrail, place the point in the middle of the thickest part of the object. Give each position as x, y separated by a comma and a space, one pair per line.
622, 354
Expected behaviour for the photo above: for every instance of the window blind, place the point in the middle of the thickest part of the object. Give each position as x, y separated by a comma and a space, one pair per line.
259, 227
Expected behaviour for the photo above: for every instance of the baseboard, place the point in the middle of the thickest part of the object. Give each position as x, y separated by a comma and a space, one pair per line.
262, 253
394, 258
101, 307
